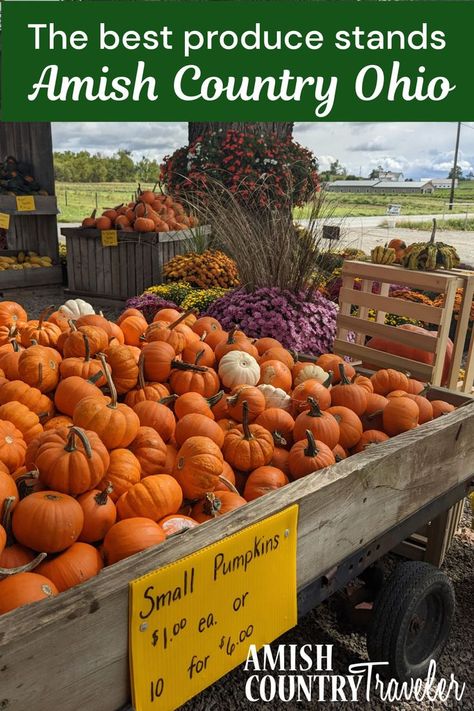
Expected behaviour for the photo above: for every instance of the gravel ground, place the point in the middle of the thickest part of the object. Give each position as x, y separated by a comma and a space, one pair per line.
324, 625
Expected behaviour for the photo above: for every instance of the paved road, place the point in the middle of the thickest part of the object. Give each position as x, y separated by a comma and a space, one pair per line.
365, 233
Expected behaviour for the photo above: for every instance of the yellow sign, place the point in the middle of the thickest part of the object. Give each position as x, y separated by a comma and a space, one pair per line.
25, 203
109, 238
4, 221
193, 620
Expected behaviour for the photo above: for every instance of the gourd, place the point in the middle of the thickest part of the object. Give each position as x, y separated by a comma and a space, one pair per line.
73, 308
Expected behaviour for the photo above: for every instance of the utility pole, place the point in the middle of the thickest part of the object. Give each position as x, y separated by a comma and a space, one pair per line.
455, 165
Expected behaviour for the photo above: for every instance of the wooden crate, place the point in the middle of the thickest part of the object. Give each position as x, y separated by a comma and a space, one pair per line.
27, 278
341, 509
441, 282
122, 271
37, 230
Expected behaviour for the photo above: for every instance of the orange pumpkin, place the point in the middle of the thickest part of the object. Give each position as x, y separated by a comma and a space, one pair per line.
11, 312
196, 424
12, 446
32, 398
276, 373
41, 331
150, 451
350, 425
71, 460
278, 353
194, 378
133, 327
263, 480
122, 473
310, 388
400, 415
189, 403
349, 394
309, 455
322, 425
368, 438
99, 512
130, 536
386, 380
26, 421
216, 504
176, 524
372, 417
157, 360
440, 407
78, 563
24, 588
254, 398
154, 497
38, 366
47, 521
279, 423
71, 391
198, 465
206, 324
157, 416
124, 367
248, 446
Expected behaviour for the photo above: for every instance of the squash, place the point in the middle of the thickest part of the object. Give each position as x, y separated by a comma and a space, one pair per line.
74, 308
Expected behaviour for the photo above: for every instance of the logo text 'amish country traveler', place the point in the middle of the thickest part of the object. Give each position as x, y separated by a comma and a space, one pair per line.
292, 673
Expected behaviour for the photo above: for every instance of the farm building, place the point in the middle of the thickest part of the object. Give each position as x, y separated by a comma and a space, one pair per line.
441, 183
390, 175
380, 186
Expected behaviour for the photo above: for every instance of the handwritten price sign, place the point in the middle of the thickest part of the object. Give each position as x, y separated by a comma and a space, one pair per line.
193, 620
109, 238
25, 203
4, 221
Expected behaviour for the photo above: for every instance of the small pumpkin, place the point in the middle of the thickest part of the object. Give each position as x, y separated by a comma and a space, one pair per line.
125, 370
263, 480
71, 460
386, 380
47, 521
12, 446
400, 415
279, 423
309, 455
198, 465
350, 425
275, 397
368, 438
78, 563
308, 371
176, 524
130, 536
441, 407
238, 368
372, 417
216, 504
311, 388
29, 396
196, 424
349, 394
26, 421
99, 512
122, 473
38, 366
154, 497
189, 403
254, 398
248, 446
150, 451
194, 378
71, 391
276, 373
157, 416
41, 331
24, 588
278, 353
323, 426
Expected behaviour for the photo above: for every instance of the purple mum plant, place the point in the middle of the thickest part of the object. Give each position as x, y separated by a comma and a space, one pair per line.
302, 321
149, 304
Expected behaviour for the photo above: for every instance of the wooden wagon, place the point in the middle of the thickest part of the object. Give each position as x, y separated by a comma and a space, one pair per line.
71, 652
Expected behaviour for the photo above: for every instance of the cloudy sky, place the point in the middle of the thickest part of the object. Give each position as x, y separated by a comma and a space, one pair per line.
418, 150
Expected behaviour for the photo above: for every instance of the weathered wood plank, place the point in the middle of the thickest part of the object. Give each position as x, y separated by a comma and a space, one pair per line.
391, 304
381, 359
397, 335
432, 281
341, 508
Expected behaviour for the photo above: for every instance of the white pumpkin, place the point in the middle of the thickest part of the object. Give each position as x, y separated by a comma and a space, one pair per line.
311, 372
275, 397
74, 308
238, 368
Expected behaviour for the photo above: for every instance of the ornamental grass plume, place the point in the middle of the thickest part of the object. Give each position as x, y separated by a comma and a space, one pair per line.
269, 250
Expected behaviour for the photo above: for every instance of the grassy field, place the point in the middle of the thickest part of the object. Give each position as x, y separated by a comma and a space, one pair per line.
455, 223
77, 200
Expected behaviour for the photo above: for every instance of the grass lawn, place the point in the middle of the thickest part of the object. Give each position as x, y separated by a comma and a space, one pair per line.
455, 223
77, 200
362, 204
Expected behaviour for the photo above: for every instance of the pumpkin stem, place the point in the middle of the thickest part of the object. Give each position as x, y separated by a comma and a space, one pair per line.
15, 345
181, 318
211, 505
338, 458
24, 568
211, 401
314, 409
181, 365
93, 213
110, 382
71, 441
72, 324
425, 390
311, 450
198, 357
344, 379
44, 313
228, 484
7, 519
279, 440
25, 489
230, 337
168, 400
87, 348
94, 378
328, 380
245, 421
203, 336
433, 232
101, 499
40, 373
141, 376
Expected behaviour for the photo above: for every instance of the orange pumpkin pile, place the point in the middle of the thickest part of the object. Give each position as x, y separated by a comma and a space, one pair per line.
116, 436
150, 212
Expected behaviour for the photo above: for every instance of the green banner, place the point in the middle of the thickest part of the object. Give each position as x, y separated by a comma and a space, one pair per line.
221, 61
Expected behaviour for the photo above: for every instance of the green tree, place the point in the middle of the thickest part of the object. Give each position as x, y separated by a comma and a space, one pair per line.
456, 173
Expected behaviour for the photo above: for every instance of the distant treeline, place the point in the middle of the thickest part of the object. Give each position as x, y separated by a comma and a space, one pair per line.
85, 167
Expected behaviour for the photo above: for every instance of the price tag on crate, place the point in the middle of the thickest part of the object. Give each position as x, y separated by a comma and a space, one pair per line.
192, 621
25, 203
4, 221
109, 238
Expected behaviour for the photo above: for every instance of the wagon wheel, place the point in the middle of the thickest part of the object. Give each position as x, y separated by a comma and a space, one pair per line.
411, 621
